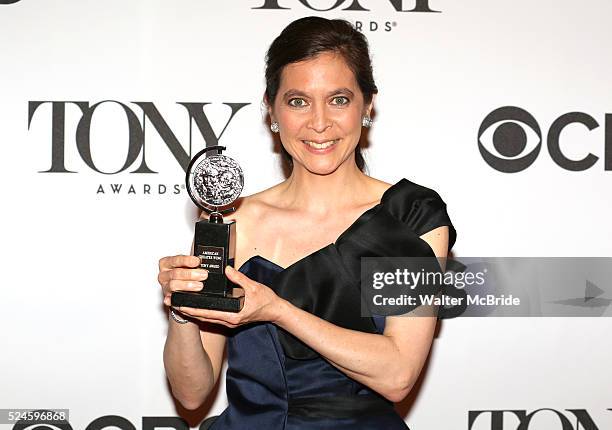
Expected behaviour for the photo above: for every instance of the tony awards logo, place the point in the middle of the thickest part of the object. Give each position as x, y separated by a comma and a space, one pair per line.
214, 181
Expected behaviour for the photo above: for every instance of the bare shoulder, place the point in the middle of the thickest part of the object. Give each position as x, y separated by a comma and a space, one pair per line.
379, 186
259, 204
251, 207
374, 189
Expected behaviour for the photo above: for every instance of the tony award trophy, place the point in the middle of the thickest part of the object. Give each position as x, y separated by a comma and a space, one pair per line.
214, 181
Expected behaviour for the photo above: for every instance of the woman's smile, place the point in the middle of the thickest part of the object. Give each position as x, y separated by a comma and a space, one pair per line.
320, 146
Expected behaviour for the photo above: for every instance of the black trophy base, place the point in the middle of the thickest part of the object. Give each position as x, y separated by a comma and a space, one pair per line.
229, 303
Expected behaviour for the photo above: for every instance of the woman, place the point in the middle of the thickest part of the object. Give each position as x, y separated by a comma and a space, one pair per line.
300, 356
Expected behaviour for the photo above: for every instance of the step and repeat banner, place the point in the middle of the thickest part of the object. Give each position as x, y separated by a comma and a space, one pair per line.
502, 107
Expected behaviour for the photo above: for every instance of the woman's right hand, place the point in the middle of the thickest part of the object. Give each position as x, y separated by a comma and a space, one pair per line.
180, 273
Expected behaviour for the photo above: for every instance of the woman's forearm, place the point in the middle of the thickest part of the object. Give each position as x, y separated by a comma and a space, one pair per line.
188, 366
372, 359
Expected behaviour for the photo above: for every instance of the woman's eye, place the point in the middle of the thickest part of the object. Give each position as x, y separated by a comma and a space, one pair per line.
297, 102
340, 100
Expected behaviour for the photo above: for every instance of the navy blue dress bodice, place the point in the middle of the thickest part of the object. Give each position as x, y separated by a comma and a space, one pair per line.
273, 380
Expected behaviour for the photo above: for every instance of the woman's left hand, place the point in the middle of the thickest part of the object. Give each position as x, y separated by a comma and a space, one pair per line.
260, 304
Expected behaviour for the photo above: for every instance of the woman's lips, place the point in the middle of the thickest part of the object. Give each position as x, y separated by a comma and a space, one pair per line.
319, 147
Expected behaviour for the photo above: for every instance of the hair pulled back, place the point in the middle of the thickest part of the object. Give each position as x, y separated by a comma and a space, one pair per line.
308, 37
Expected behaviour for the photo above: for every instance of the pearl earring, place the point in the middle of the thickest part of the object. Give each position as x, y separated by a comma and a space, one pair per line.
366, 121
274, 127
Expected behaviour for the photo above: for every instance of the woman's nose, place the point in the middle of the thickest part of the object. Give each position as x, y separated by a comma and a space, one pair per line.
319, 120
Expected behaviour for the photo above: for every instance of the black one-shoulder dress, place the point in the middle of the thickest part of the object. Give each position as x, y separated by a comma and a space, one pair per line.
273, 380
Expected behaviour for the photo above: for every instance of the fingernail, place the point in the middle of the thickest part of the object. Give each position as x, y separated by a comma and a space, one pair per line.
202, 274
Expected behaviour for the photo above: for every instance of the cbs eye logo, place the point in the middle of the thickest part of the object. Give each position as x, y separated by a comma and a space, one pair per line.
510, 139
8, 1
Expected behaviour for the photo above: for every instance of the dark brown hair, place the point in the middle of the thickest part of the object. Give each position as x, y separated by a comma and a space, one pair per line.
308, 37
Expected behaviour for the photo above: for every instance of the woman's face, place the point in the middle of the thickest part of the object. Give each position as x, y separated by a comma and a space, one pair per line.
319, 108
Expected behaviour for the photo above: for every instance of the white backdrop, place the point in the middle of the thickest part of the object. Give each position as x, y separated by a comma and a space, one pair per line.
82, 323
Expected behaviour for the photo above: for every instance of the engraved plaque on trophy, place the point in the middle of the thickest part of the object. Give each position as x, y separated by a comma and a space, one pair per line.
213, 182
